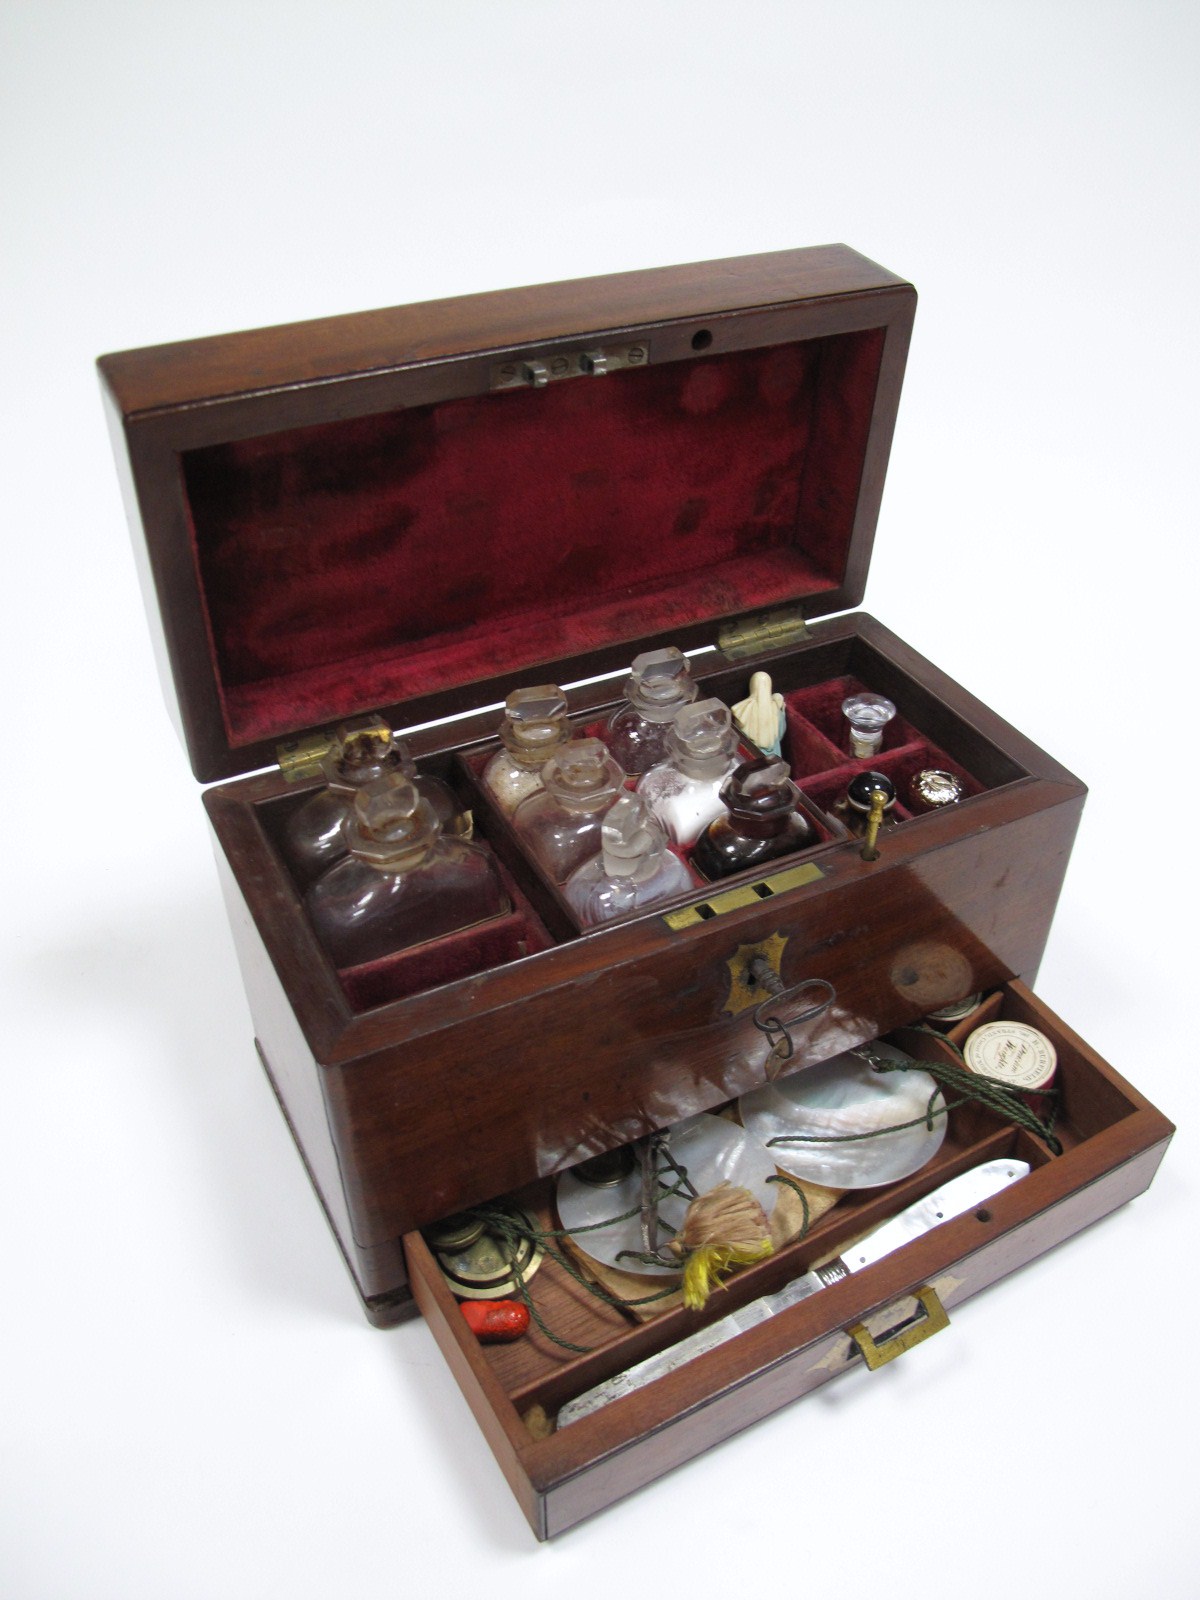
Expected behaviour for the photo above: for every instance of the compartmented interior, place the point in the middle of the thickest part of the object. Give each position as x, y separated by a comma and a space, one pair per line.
535, 1372
813, 681
360, 563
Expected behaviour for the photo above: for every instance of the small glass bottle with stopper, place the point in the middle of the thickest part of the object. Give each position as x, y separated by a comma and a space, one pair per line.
403, 882
759, 821
535, 727
364, 749
854, 808
868, 714
684, 791
658, 686
560, 826
633, 870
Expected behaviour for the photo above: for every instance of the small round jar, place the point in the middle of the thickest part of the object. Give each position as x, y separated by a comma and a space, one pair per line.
853, 810
760, 821
1017, 1055
933, 788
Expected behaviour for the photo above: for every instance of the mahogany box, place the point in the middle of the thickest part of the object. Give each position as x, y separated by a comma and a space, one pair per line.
413, 511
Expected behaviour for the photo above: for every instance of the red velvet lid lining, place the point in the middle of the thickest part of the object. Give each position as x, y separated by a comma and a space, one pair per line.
361, 563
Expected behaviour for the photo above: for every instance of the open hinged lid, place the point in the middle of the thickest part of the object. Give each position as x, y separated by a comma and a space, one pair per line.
415, 510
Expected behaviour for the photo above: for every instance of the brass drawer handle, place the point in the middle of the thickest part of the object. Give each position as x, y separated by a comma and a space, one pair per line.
878, 1352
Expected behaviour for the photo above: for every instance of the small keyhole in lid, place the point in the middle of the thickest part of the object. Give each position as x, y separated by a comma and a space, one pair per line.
701, 339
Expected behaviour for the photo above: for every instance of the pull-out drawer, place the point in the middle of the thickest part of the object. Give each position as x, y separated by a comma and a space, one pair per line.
1113, 1141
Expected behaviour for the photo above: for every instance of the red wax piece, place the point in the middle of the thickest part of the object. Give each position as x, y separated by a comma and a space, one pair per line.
495, 1321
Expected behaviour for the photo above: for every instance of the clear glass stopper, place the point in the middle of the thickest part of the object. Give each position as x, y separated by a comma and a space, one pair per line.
535, 720
868, 714
583, 773
633, 841
659, 683
390, 822
702, 741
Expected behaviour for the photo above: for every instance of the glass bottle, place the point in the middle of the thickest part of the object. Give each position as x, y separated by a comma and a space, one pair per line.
364, 749
560, 826
759, 820
868, 715
634, 868
658, 686
854, 807
535, 727
684, 791
403, 882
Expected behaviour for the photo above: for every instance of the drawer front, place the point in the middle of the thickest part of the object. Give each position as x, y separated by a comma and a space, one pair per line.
1113, 1143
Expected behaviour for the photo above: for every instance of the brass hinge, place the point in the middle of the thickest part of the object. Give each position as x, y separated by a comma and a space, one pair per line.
301, 758
771, 630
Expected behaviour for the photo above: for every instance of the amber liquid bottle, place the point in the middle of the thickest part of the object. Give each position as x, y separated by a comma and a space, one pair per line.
760, 821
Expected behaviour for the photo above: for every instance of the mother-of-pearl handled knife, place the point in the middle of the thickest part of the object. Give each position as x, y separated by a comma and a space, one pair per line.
969, 1189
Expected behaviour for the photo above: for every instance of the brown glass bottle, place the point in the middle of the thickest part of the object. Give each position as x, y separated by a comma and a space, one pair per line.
760, 821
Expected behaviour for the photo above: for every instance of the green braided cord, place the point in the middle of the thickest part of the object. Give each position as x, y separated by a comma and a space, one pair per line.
781, 1177
971, 1087
509, 1229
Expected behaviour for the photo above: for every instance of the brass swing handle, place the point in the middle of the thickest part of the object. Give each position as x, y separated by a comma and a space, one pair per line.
910, 1332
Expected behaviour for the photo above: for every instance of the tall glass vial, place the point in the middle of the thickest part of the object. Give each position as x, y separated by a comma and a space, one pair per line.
684, 791
403, 882
634, 868
658, 686
560, 827
535, 727
759, 821
364, 750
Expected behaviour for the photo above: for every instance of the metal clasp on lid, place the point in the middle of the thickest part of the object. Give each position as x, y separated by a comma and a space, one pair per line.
536, 372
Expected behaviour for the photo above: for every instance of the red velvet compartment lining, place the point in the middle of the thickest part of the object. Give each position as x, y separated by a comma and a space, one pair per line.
816, 744
457, 955
364, 562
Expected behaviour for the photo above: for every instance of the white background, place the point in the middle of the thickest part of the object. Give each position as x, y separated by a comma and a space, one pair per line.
194, 1406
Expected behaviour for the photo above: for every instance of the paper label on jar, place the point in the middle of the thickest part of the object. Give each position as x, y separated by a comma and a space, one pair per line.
1012, 1052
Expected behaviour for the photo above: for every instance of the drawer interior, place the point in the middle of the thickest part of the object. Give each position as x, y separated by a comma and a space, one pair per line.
1102, 1124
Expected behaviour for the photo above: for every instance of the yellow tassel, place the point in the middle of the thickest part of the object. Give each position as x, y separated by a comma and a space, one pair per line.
723, 1229
703, 1269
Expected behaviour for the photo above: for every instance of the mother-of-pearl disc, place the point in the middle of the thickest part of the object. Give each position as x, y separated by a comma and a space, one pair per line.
711, 1150
847, 1096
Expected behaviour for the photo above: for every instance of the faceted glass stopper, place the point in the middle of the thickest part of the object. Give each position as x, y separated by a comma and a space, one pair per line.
703, 737
364, 748
535, 719
633, 840
660, 678
582, 771
868, 714
390, 821
760, 788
